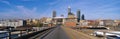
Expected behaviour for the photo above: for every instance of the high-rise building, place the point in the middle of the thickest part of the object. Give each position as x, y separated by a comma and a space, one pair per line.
54, 13
78, 15
69, 9
70, 14
83, 17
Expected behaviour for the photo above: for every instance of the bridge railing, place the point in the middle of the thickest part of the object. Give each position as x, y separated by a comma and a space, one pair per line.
33, 34
22, 34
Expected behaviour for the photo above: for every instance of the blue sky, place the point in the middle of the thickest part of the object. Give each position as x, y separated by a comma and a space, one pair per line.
93, 9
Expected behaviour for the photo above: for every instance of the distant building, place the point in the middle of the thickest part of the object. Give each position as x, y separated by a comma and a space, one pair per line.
59, 20
84, 22
115, 23
78, 16
43, 19
108, 22
62, 15
48, 20
101, 23
70, 14
32, 21
83, 17
13, 23
93, 23
54, 13
71, 20
69, 9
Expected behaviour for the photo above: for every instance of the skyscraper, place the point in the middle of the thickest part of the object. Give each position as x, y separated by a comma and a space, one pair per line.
83, 17
78, 15
69, 9
54, 13
70, 14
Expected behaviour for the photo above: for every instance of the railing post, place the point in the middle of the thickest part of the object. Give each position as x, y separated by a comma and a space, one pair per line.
27, 31
20, 32
104, 33
9, 33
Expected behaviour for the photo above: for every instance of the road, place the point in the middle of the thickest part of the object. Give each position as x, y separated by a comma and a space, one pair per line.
57, 33
62, 32
74, 34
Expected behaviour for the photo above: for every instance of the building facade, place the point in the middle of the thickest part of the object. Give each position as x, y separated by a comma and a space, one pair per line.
13, 23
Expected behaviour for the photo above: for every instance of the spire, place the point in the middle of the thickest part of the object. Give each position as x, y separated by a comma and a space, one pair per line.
69, 9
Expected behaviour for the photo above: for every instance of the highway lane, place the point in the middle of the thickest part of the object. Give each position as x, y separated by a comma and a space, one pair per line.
57, 33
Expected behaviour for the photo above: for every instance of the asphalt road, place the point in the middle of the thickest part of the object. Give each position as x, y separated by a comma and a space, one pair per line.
57, 33
74, 34
62, 32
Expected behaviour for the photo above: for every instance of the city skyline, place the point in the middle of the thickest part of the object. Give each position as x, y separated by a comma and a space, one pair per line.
94, 9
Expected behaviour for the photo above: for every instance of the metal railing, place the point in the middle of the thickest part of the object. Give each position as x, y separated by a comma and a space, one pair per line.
21, 33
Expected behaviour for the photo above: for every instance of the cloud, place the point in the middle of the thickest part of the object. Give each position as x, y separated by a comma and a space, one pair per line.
26, 11
6, 2
20, 12
54, 2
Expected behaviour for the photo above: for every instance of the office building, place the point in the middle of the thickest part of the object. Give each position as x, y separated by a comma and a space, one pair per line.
78, 16
54, 13
83, 17
12, 23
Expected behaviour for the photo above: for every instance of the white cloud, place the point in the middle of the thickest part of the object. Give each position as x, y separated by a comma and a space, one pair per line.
28, 12
55, 2
6, 2
20, 12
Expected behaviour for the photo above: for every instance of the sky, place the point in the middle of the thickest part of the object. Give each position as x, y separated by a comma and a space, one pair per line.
92, 9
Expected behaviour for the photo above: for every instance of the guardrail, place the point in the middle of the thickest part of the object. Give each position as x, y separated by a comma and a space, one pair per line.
32, 34
18, 33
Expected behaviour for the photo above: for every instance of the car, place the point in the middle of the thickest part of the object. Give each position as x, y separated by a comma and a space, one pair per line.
106, 33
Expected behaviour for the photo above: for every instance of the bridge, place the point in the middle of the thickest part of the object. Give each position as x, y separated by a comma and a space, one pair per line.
58, 32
